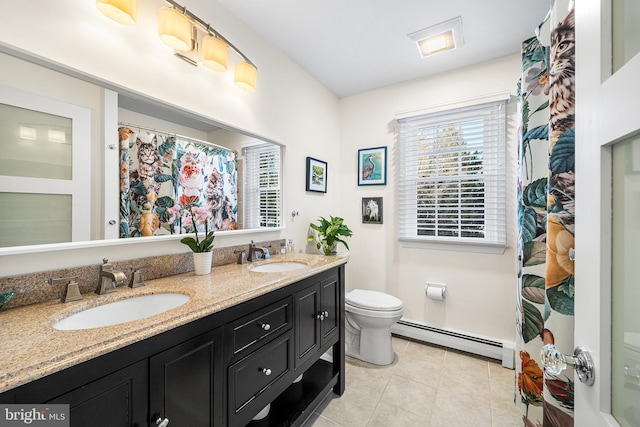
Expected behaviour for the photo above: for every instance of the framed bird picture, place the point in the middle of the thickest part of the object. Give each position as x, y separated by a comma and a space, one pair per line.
372, 166
372, 210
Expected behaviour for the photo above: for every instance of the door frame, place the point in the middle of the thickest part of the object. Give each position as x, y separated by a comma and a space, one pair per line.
604, 115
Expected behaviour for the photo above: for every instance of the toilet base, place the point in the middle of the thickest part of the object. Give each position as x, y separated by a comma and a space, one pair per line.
375, 346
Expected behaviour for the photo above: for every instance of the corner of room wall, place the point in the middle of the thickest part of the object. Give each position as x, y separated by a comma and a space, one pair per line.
481, 290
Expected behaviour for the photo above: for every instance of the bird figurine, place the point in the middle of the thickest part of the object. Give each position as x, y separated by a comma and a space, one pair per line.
367, 171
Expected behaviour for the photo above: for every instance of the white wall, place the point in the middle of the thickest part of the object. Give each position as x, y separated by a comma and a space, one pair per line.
289, 107
481, 289
292, 108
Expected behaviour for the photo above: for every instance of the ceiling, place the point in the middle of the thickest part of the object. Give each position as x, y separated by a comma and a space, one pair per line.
353, 46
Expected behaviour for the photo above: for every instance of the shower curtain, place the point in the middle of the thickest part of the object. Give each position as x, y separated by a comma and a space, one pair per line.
546, 218
165, 179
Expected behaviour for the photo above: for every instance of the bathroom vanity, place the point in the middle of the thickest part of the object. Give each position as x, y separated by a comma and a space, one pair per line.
212, 362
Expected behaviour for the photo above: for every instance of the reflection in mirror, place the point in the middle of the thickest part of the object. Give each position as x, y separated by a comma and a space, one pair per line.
173, 184
43, 183
229, 180
78, 123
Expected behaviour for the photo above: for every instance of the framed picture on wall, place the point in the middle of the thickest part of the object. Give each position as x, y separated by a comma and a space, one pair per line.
316, 175
372, 166
372, 210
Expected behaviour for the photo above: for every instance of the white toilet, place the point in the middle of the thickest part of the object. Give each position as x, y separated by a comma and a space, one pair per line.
369, 316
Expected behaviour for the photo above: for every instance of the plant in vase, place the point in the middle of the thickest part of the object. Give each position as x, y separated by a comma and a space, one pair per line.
201, 248
329, 233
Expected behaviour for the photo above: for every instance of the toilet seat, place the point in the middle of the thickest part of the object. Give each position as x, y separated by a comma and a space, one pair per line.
372, 301
378, 314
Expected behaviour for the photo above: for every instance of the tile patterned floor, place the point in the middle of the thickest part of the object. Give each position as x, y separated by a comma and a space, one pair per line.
426, 386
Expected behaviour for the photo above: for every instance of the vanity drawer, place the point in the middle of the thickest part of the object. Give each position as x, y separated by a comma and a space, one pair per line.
246, 333
249, 378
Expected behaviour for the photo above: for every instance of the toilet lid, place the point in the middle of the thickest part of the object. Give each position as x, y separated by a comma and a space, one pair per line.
373, 300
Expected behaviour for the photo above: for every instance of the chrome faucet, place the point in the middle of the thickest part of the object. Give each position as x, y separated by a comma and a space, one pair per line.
255, 253
242, 256
109, 278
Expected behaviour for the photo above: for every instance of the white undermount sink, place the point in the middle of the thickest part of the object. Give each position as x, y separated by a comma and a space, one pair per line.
122, 311
278, 267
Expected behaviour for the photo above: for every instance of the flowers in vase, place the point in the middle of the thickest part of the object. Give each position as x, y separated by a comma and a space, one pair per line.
198, 216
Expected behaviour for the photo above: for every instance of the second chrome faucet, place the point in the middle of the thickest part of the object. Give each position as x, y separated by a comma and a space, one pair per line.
254, 252
109, 278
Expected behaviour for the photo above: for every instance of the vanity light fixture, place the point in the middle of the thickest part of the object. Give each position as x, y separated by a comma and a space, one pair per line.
175, 29
122, 11
439, 38
190, 37
196, 41
246, 76
215, 53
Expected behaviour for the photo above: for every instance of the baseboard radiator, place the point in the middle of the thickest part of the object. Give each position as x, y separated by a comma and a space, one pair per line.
503, 351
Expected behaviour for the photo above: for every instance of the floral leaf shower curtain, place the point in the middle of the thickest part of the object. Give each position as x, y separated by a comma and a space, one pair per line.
164, 179
546, 218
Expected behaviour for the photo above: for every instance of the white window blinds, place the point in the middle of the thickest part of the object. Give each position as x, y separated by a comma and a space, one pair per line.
262, 186
452, 175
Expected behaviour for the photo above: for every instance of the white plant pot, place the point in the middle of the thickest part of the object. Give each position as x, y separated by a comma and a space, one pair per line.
202, 262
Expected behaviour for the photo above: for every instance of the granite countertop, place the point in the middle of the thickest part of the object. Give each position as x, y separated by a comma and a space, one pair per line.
31, 348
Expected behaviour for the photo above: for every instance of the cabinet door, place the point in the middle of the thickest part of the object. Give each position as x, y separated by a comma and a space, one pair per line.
329, 307
307, 326
186, 384
119, 399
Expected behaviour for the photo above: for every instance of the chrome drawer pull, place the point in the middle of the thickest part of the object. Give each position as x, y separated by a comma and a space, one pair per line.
266, 371
162, 423
265, 326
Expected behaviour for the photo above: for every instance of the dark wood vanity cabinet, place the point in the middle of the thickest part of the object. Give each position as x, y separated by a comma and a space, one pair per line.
220, 370
316, 317
186, 382
118, 399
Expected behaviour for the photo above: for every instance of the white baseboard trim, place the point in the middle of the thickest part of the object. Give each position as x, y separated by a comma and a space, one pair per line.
503, 351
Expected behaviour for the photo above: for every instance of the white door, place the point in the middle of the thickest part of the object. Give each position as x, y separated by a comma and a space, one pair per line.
607, 257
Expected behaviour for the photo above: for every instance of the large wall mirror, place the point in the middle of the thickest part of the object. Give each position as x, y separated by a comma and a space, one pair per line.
239, 175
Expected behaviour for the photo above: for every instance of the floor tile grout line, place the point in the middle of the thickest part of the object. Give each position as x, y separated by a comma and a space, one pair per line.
495, 382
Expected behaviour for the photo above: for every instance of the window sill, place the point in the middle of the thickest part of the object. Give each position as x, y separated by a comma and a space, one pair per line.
456, 246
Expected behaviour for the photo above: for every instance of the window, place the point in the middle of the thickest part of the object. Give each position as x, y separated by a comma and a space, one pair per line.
452, 176
263, 186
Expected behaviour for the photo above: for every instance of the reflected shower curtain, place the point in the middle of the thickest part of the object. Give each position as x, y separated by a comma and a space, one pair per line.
546, 218
165, 178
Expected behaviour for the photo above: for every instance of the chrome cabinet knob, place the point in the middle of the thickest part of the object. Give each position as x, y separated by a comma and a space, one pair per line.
162, 423
320, 315
555, 362
325, 314
265, 326
266, 371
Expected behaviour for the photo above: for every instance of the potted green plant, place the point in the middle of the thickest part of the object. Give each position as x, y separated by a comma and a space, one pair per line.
201, 248
329, 234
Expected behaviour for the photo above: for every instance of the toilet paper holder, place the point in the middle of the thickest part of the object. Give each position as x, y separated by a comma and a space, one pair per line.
435, 291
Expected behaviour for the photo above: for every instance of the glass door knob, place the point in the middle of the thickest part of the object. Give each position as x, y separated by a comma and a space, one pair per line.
555, 362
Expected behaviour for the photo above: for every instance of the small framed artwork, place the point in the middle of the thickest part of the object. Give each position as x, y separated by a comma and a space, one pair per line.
316, 175
372, 210
372, 166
